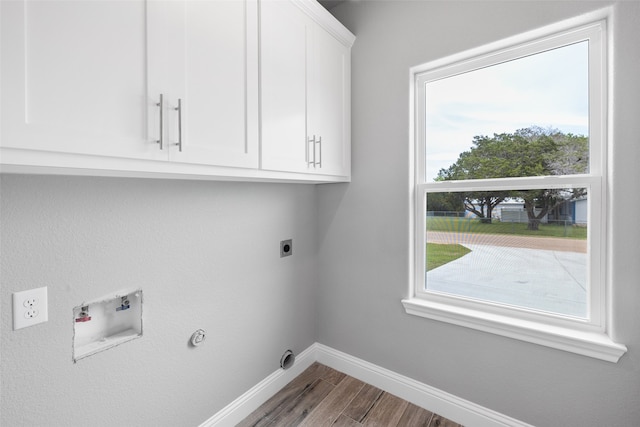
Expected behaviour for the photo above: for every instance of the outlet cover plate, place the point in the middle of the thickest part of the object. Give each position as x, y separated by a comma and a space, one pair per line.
30, 308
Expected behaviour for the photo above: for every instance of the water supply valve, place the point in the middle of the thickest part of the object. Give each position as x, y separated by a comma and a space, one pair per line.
124, 304
83, 316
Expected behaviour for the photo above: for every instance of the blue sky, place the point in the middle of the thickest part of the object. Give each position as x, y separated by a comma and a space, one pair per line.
549, 89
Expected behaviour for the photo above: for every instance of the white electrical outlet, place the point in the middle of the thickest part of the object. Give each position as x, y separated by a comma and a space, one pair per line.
30, 308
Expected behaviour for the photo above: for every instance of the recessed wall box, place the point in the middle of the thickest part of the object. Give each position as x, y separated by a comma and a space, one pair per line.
286, 248
106, 322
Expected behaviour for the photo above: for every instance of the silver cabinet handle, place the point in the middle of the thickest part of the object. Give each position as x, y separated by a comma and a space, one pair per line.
311, 141
161, 105
179, 110
316, 161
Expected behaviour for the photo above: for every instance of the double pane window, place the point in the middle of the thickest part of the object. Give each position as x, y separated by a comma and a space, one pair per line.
509, 207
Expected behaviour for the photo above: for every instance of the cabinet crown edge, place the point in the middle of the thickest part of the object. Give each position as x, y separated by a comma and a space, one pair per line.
326, 20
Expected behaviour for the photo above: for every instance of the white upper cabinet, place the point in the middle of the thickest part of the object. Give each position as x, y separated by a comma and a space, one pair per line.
86, 77
178, 88
328, 109
284, 33
204, 60
74, 77
305, 83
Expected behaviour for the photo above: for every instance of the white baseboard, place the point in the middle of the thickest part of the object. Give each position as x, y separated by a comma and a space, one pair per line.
433, 399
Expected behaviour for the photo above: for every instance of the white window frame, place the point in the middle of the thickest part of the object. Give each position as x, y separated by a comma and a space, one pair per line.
591, 336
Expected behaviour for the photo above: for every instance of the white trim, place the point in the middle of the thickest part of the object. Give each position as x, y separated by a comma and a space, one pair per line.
587, 343
543, 32
591, 336
519, 183
425, 396
18, 161
244, 405
326, 20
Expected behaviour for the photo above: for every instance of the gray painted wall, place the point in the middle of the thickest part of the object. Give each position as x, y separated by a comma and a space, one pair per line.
206, 255
363, 253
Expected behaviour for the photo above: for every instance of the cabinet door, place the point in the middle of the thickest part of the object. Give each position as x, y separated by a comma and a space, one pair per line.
328, 107
284, 33
213, 71
74, 77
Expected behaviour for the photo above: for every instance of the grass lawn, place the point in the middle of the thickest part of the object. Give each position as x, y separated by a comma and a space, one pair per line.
473, 225
440, 254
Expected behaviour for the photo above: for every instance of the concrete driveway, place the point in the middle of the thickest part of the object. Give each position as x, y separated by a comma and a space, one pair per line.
553, 279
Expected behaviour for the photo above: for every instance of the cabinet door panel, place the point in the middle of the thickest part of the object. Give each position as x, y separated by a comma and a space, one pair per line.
283, 87
328, 102
217, 82
74, 77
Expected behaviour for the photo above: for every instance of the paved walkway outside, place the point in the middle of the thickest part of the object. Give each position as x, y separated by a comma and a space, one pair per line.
548, 274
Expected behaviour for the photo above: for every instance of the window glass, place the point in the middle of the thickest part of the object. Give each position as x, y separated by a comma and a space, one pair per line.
523, 248
525, 117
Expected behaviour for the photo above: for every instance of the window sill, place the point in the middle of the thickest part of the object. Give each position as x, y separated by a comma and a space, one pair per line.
591, 344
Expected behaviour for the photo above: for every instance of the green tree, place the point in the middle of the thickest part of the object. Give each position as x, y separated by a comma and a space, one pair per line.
445, 202
571, 156
532, 151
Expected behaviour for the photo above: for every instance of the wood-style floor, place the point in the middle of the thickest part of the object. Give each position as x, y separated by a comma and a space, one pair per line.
322, 396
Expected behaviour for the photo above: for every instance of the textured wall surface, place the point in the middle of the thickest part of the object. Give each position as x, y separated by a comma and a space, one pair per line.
364, 251
206, 255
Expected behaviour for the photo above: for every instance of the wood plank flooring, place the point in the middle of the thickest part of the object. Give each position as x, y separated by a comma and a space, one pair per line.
322, 396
